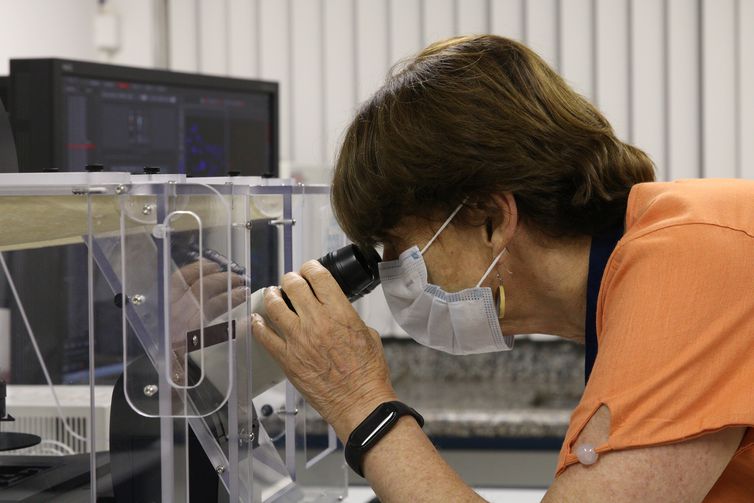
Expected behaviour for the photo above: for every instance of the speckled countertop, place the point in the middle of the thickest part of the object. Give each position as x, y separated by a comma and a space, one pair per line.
527, 392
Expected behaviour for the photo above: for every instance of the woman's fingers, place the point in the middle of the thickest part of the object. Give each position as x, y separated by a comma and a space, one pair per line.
271, 341
325, 288
278, 312
299, 293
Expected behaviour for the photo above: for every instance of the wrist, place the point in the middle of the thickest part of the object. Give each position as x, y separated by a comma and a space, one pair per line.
355, 414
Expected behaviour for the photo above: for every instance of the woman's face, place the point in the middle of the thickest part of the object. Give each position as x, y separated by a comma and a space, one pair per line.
544, 282
456, 260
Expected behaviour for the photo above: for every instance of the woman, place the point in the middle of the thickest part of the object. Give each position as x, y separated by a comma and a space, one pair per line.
482, 172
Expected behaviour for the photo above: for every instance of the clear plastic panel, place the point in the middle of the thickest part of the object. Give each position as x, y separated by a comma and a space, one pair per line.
319, 460
62, 363
169, 291
160, 392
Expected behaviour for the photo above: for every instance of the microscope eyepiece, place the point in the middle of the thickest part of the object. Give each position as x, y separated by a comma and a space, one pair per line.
355, 269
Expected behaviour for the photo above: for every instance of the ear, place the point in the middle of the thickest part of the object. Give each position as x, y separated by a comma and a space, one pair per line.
504, 218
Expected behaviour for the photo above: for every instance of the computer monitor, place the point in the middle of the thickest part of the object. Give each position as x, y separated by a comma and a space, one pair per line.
69, 114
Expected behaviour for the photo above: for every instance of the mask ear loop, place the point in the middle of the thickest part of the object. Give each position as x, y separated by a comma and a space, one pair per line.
445, 224
489, 269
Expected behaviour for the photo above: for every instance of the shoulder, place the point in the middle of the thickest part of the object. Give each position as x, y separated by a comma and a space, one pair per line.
719, 202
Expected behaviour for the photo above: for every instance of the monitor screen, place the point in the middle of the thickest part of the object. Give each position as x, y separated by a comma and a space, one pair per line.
193, 131
70, 114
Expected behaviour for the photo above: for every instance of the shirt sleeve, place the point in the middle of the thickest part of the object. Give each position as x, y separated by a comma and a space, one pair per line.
675, 327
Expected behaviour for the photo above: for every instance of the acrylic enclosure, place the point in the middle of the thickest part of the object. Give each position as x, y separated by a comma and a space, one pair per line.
152, 387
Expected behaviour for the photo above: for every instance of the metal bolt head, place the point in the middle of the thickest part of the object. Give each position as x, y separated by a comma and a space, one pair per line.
220, 469
137, 299
195, 340
249, 224
147, 209
252, 436
120, 189
150, 389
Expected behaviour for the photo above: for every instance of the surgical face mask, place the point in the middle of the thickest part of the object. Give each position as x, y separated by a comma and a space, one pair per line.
460, 323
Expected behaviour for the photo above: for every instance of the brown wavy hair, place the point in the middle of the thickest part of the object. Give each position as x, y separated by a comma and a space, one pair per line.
474, 116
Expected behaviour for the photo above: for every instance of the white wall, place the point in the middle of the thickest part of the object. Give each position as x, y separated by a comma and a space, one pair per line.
45, 28
671, 75
65, 29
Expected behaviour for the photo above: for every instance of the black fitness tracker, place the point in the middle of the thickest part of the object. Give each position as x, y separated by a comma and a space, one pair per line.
373, 428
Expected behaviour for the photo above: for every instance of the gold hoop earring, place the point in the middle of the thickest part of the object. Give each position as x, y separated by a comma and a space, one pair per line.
501, 308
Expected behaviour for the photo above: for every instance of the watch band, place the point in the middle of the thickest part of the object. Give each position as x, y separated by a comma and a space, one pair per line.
373, 428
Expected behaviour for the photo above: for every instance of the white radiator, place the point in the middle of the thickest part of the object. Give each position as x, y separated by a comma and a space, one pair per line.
35, 412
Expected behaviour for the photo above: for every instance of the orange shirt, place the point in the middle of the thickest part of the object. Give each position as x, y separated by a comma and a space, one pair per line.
675, 325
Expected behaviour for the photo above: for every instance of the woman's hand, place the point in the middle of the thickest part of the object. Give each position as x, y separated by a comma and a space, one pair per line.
325, 349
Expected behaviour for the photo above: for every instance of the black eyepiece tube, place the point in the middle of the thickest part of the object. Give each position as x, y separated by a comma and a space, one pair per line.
355, 269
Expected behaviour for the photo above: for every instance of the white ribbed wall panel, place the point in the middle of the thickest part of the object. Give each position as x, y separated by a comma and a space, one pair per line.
507, 18
672, 76
243, 25
612, 63
745, 94
648, 65
438, 21
575, 48
404, 36
683, 91
472, 17
719, 29
541, 30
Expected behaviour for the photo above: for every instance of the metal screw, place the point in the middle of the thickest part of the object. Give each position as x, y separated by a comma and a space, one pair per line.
220, 469
177, 376
195, 340
249, 224
120, 189
137, 299
283, 412
147, 209
252, 436
340, 498
150, 389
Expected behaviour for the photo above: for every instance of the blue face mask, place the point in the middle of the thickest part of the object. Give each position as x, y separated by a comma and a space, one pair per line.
460, 323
